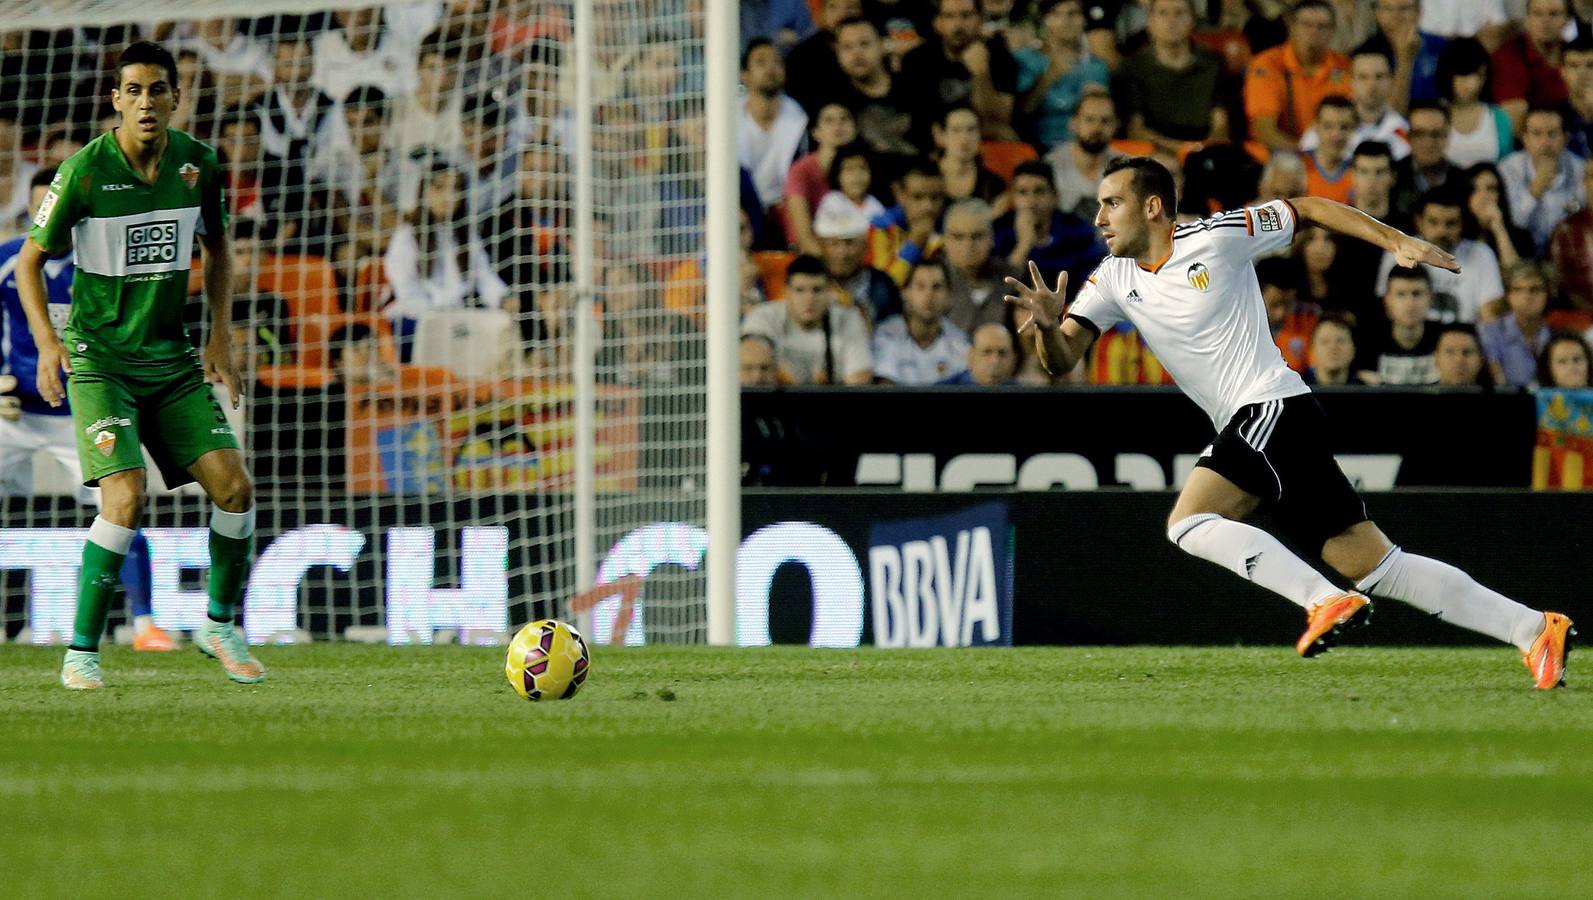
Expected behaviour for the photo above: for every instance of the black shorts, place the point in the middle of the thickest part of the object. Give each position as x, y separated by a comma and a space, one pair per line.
1282, 452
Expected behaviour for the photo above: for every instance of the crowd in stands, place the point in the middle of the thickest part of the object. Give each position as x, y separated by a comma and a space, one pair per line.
393, 168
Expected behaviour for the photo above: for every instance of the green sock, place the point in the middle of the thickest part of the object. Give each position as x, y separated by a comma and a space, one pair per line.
230, 561
96, 586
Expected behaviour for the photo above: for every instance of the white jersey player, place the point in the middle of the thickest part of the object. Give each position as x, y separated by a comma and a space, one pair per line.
1191, 291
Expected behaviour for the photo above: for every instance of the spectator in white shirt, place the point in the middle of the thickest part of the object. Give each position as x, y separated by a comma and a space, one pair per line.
435, 260
1465, 296
816, 341
427, 124
1543, 179
364, 49
921, 346
1371, 84
773, 127
292, 111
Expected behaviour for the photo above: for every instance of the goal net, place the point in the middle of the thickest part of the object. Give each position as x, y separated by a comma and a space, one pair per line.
409, 306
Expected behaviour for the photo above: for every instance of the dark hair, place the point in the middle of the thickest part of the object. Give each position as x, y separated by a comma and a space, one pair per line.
1323, 5
146, 53
1410, 273
1461, 56
1281, 272
1442, 195
482, 109
366, 96
1340, 317
1469, 227
754, 44
1430, 107
1373, 148
1555, 111
1036, 168
351, 333
239, 114
1151, 179
427, 229
245, 227
1373, 47
935, 263
42, 178
1464, 328
1335, 102
855, 20
437, 44
806, 265
1582, 43
1545, 373
921, 166
854, 150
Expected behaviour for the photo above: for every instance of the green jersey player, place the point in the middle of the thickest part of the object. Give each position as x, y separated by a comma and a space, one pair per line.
130, 204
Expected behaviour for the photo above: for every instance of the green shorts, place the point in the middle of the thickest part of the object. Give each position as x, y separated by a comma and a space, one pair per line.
175, 415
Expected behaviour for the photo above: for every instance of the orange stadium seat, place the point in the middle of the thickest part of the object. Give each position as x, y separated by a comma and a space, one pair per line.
306, 283
370, 285
1001, 157
315, 333
771, 266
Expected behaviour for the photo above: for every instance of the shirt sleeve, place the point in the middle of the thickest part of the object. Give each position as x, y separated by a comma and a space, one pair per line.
61, 208
212, 196
1259, 229
1094, 307
856, 355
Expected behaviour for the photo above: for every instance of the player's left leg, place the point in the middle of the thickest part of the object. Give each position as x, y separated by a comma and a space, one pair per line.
1365, 555
225, 480
191, 441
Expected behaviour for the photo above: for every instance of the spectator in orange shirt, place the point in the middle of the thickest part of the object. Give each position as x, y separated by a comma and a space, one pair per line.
1285, 85
1291, 321
1327, 168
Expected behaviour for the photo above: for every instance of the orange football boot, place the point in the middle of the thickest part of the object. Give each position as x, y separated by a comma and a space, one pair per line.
154, 638
1546, 658
1326, 620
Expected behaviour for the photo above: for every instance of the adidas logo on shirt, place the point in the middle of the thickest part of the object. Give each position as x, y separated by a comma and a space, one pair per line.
1133, 296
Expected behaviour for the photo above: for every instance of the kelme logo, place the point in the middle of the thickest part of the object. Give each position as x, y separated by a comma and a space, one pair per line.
152, 242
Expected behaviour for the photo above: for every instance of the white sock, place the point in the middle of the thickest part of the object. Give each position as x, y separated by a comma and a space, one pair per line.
141, 623
111, 536
1452, 595
230, 524
1253, 555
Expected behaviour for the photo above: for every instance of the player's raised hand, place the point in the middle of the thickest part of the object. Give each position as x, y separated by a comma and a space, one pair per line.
52, 362
220, 368
1410, 251
1045, 305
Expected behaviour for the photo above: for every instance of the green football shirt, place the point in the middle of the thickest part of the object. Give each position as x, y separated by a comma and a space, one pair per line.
134, 244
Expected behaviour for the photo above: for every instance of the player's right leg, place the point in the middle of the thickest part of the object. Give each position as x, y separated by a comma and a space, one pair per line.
106, 425
61, 444
1204, 524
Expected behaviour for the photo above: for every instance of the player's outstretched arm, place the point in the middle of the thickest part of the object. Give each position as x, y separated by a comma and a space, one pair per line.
35, 305
1407, 250
1062, 342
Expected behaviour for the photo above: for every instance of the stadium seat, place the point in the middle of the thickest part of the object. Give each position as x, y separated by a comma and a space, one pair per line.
371, 291
294, 378
771, 266
471, 343
306, 283
1001, 157
315, 333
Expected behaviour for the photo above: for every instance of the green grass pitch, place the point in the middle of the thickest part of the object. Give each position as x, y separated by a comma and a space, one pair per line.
695, 772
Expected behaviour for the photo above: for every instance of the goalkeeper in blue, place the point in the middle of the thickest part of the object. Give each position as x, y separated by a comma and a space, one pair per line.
28, 424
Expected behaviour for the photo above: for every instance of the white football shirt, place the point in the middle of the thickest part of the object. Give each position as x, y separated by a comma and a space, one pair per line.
1200, 309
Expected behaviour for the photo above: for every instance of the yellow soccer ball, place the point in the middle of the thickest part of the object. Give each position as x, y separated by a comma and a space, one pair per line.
548, 660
